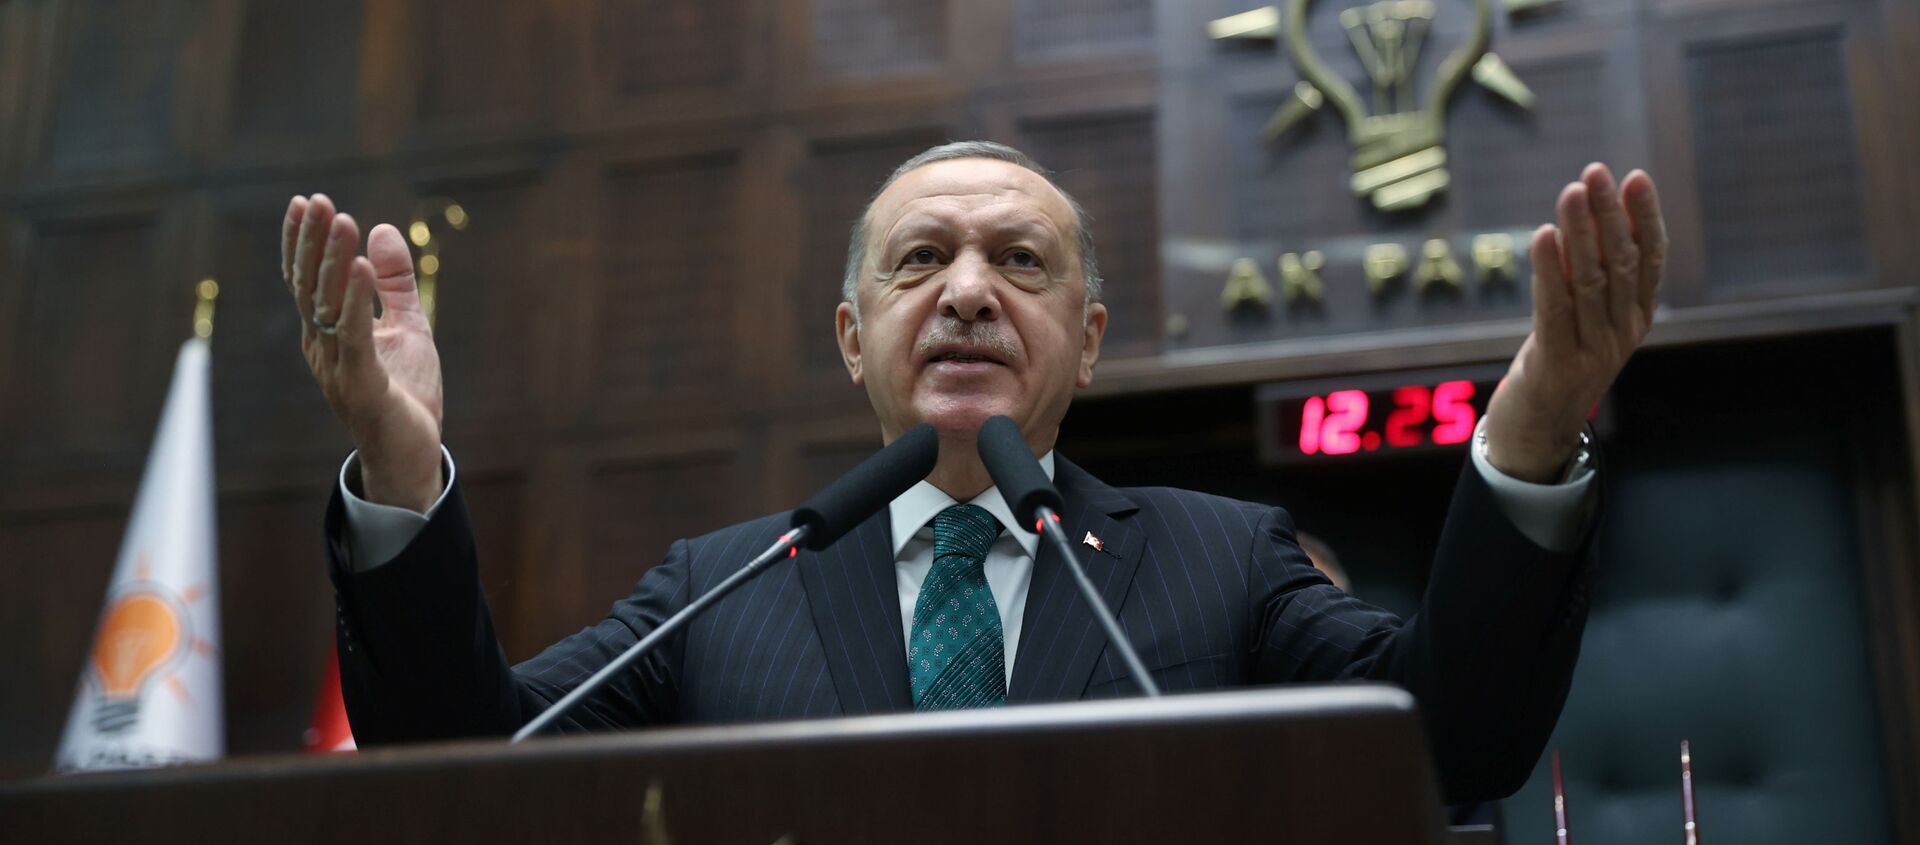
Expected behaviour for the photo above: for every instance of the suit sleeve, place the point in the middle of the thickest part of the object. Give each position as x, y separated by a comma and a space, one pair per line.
1489, 656
419, 659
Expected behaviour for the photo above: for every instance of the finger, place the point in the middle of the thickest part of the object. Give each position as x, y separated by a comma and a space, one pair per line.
290, 237
393, 273
1579, 239
315, 225
343, 243
354, 332
1619, 258
1650, 231
1553, 308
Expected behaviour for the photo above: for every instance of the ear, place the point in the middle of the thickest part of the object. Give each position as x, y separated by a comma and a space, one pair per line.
1095, 329
846, 330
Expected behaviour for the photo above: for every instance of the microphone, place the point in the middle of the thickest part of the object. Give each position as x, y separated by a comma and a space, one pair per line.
1033, 499
824, 518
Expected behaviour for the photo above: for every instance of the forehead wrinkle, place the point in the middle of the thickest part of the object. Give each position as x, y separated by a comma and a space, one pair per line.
971, 222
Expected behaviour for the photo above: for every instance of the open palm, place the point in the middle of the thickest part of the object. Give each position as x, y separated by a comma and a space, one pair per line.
381, 375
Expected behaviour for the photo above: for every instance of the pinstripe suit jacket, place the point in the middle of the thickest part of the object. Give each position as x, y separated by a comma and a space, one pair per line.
1213, 592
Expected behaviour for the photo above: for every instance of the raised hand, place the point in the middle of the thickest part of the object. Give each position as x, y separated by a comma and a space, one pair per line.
1595, 279
380, 375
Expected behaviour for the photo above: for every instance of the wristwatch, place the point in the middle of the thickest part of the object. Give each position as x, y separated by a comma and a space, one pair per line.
1582, 457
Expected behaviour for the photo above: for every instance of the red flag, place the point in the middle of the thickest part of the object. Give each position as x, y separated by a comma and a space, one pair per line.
330, 731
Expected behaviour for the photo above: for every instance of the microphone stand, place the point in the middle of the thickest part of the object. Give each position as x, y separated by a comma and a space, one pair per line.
1049, 525
789, 543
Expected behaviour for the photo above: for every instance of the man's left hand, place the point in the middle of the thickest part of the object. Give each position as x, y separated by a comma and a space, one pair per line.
1595, 279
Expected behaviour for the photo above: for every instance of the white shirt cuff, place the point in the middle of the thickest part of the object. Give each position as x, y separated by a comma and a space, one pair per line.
377, 534
1551, 515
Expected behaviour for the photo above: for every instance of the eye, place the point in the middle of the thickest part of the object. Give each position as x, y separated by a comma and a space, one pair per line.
1023, 258
921, 257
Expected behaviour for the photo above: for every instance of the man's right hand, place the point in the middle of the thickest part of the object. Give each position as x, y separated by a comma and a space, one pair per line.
380, 375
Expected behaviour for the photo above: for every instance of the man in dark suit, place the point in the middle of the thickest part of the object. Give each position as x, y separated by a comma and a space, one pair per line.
971, 290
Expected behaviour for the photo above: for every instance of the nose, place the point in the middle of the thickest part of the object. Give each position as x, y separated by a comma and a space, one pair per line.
971, 293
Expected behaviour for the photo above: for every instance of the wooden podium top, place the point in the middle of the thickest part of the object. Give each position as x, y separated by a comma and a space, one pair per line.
1323, 764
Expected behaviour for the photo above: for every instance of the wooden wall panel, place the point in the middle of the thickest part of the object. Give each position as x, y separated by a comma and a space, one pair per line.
276, 616
635, 509
487, 65
115, 83
838, 177
295, 79
93, 362
57, 567
1107, 162
853, 39
649, 46
489, 295
663, 323
496, 501
1062, 30
1509, 164
1779, 173
267, 411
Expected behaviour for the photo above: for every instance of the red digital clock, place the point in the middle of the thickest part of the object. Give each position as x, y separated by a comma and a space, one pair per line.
1414, 411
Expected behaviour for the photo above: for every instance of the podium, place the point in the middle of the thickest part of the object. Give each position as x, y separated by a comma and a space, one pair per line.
1303, 765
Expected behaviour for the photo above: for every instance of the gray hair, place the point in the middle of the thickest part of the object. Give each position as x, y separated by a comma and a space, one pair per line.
857, 244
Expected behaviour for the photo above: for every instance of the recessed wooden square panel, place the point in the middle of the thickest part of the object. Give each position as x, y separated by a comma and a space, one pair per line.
1054, 30
115, 84
1777, 160
663, 321
486, 61
870, 38
636, 509
486, 297
297, 69
58, 566
277, 616
90, 371
838, 179
652, 47
266, 404
1508, 165
495, 504
1108, 163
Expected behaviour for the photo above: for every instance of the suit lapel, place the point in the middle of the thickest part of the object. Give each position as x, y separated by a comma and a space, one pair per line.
1060, 640
856, 607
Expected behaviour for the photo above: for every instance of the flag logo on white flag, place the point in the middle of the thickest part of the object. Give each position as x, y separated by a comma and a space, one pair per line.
150, 693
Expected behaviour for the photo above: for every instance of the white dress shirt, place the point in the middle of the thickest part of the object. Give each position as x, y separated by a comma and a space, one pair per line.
1548, 514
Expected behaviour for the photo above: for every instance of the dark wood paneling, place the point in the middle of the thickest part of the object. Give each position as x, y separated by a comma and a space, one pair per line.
488, 297
837, 178
1107, 162
296, 73
57, 570
1509, 164
1778, 162
872, 38
267, 412
486, 63
636, 508
496, 502
276, 617
663, 320
92, 365
1058, 30
115, 84
651, 46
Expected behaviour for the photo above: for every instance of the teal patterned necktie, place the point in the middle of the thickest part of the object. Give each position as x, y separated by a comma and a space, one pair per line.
956, 657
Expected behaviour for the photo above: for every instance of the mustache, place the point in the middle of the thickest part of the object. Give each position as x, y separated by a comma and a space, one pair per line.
955, 332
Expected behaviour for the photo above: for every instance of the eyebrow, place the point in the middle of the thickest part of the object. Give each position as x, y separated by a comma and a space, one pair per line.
923, 226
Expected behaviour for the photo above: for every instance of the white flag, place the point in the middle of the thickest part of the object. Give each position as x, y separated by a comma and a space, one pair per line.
150, 693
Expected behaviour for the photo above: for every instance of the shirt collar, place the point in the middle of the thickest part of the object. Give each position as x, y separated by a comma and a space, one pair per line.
922, 502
